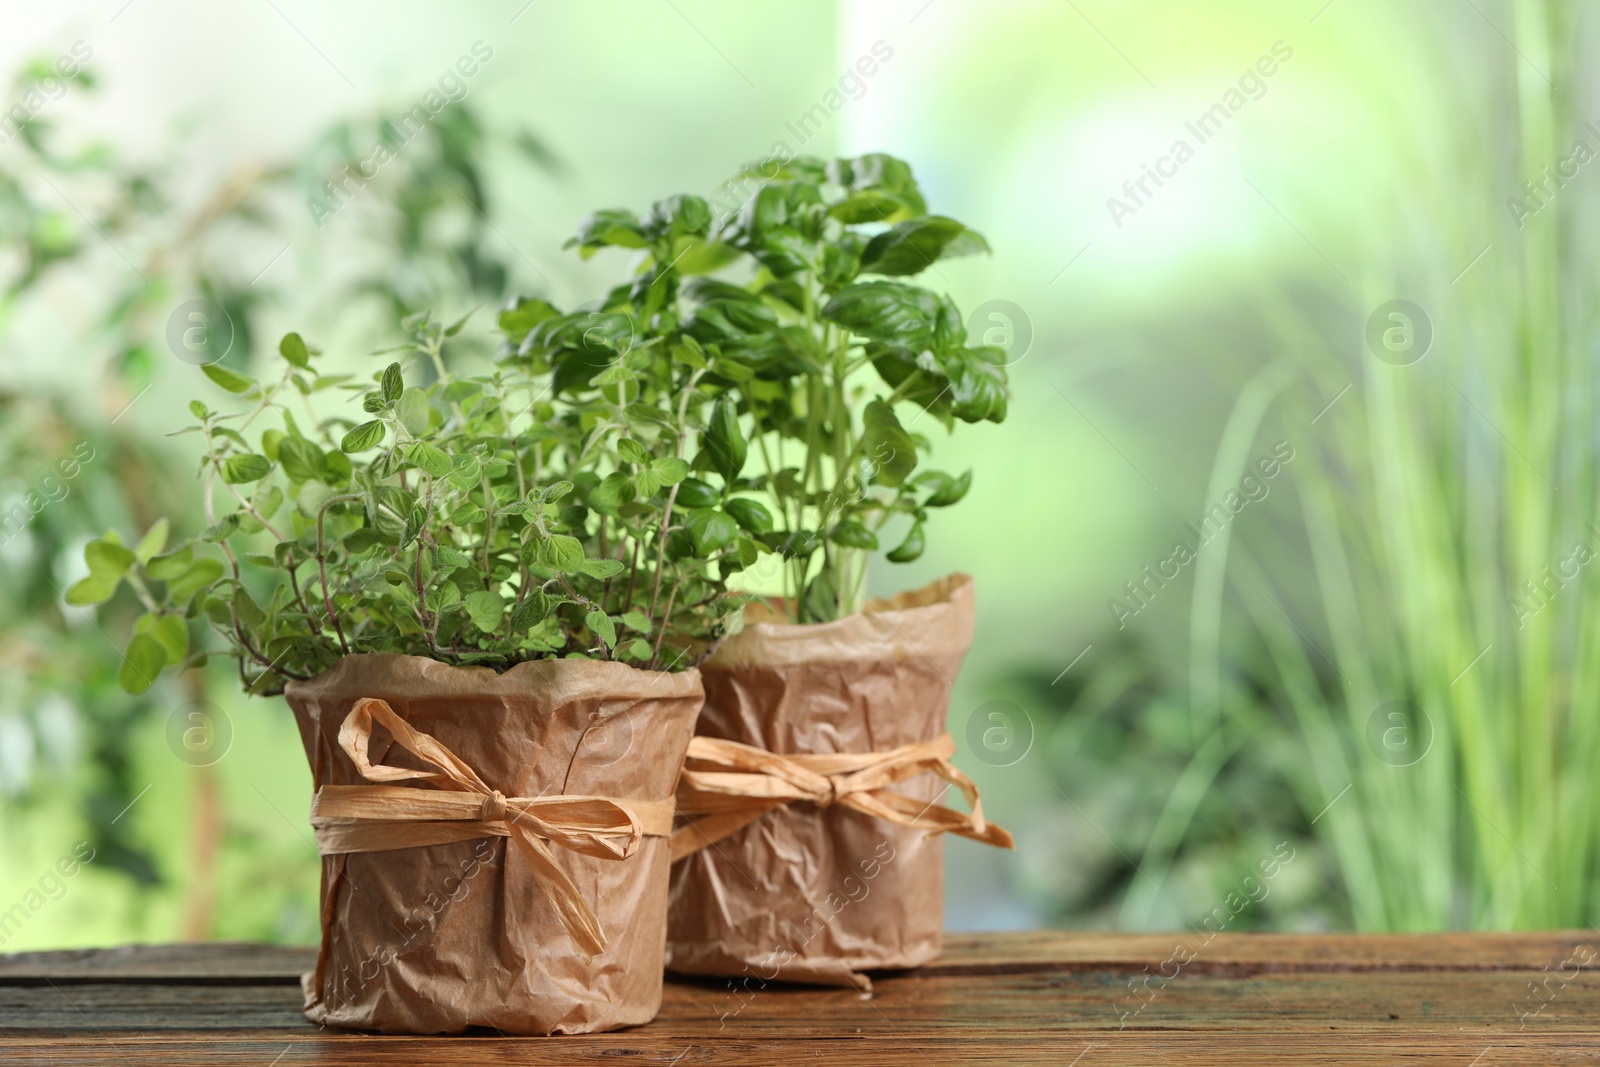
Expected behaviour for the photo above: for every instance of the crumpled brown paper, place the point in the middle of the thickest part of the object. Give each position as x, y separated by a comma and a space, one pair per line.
448, 936
809, 894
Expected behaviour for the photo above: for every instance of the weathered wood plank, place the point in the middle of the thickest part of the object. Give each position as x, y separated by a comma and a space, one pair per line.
1127, 1049
993, 999
1263, 952
1491, 1001
963, 953
207, 962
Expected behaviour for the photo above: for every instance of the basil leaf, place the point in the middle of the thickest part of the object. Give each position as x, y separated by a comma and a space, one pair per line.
910, 548
723, 440
750, 514
886, 444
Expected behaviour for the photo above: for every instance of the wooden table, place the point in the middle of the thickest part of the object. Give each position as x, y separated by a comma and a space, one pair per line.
1476, 1000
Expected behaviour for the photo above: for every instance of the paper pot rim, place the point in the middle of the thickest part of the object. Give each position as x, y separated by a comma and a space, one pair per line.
620, 679
877, 631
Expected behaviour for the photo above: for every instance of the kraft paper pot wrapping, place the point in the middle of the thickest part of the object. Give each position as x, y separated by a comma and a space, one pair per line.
440, 937
820, 894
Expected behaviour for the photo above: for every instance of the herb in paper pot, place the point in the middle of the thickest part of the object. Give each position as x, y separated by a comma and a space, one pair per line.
821, 754
464, 615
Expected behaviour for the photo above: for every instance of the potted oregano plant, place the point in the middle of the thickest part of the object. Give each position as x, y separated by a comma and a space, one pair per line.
830, 360
490, 654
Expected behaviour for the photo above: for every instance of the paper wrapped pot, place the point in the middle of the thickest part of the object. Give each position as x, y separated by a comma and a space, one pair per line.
439, 938
819, 895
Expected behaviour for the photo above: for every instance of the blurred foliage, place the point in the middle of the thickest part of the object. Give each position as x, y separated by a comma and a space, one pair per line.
1399, 647
1118, 744
122, 242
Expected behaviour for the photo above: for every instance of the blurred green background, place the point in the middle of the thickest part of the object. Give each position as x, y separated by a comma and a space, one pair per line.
1157, 731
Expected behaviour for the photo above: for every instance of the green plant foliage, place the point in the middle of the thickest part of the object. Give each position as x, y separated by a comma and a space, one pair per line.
475, 519
814, 353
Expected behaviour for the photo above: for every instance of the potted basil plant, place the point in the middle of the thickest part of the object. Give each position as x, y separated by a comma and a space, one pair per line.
821, 753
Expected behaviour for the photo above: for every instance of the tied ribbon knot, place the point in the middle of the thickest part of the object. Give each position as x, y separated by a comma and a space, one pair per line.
726, 786
460, 807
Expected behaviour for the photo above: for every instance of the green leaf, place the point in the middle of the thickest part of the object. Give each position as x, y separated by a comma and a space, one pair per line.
733, 370
912, 246
881, 189
603, 626
615, 490
613, 375
977, 384
200, 574
170, 631
910, 548
601, 568
535, 608
142, 663
293, 349
723, 439
697, 256
693, 493
852, 534
612, 227
636, 620
948, 491
392, 384
165, 568
710, 529
108, 557
551, 493
485, 609
413, 410
267, 500
154, 540
303, 461
199, 410
233, 383
639, 649
521, 316
893, 313
414, 524
453, 558
886, 444
690, 353
821, 600
467, 515
361, 438
647, 483
222, 529
632, 451
246, 468
426, 457
750, 514
465, 472
563, 553
669, 469
246, 610
95, 589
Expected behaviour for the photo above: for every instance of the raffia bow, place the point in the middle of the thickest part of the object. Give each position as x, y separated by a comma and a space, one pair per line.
380, 818
726, 786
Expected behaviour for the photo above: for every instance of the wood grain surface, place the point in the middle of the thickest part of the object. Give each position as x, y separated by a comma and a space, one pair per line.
1048, 998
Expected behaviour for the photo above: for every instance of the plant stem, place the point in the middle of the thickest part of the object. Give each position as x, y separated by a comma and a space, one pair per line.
322, 566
